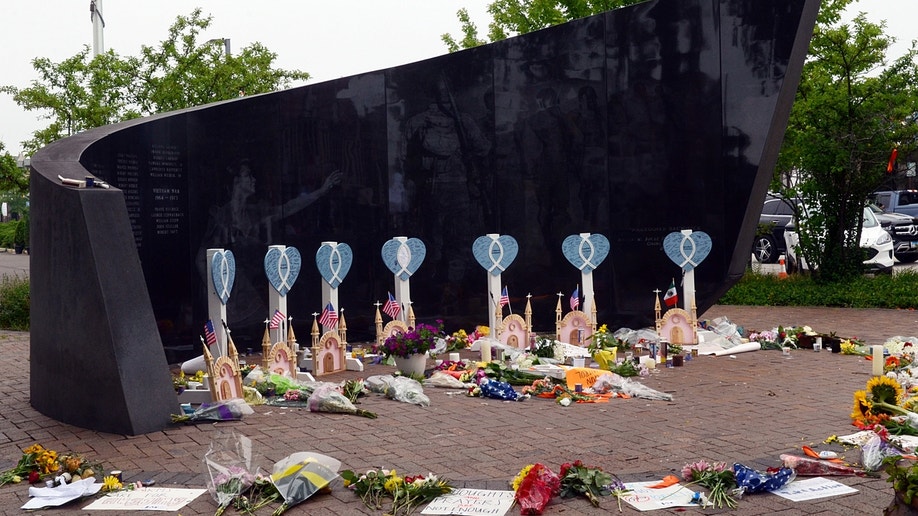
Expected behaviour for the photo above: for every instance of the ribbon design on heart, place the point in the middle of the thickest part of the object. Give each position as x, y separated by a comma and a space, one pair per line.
586, 244
223, 265
335, 264
283, 273
687, 256
496, 254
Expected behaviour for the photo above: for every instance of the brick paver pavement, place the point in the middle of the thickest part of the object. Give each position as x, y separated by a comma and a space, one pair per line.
747, 409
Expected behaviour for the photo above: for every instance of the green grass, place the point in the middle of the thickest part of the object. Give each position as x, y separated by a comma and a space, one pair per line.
881, 291
15, 301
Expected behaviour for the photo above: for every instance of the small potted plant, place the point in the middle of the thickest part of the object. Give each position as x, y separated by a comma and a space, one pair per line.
676, 352
410, 349
604, 347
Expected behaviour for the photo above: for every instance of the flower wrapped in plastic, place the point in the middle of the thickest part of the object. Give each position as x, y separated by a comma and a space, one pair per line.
301, 475
535, 485
228, 465
327, 398
228, 410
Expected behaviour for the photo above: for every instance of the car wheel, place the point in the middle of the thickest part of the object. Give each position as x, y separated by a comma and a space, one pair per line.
765, 249
907, 257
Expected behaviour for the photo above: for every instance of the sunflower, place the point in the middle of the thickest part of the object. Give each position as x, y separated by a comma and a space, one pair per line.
883, 389
862, 407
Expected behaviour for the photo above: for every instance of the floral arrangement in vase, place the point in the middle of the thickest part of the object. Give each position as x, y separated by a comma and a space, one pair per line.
417, 340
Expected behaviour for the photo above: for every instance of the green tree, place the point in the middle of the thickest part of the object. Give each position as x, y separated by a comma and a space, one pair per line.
514, 17
13, 180
852, 108
83, 92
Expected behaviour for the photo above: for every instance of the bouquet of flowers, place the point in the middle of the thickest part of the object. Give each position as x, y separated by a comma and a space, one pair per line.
603, 339
327, 398
578, 479
36, 461
418, 340
717, 477
458, 341
228, 462
228, 410
300, 475
767, 339
407, 493
535, 485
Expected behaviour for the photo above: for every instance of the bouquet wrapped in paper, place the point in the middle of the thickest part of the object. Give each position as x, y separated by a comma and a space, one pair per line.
535, 486
301, 475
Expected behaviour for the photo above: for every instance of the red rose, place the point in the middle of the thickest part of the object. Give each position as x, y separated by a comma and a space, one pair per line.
34, 477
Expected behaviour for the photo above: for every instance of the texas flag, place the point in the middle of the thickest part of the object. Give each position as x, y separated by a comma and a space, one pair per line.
671, 298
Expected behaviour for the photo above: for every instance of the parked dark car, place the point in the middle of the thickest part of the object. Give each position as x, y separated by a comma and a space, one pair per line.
904, 231
769, 239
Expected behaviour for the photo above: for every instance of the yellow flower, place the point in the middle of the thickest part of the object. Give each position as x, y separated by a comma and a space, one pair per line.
883, 389
110, 483
520, 476
861, 410
393, 483
604, 328
35, 448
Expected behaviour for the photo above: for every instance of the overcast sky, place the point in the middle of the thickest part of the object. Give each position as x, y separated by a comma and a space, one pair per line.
328, 39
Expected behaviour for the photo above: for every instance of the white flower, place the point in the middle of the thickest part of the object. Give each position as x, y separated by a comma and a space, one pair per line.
564, 402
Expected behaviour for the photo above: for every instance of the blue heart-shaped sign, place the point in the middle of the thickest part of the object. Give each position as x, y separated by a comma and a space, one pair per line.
687, 250
223, 272
334, 261
586, 251
495, 253
282, 268
403, 257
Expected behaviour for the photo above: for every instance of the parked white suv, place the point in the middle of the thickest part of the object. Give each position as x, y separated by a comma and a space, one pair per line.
874, 239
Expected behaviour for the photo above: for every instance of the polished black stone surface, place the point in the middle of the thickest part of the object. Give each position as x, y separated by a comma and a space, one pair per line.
634, 123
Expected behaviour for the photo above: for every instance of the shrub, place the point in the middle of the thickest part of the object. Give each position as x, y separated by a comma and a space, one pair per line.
882, 291
14, 302
7, 232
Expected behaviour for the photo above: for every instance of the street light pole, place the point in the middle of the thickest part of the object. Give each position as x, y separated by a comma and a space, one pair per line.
226, 44
98, 23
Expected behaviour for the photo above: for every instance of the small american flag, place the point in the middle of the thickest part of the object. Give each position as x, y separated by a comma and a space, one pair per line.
504, 297
276, 320
329, 317
575, 299
391, 307
210, 337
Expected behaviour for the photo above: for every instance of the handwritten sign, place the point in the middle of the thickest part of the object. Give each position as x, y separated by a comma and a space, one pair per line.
813, 488
471, 502
146, 499
644, 498
585, 376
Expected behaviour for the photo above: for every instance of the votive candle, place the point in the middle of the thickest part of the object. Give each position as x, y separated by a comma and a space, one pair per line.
878, 361
486, 352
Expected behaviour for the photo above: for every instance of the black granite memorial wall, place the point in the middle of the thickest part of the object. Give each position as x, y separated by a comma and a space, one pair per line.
635, 123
